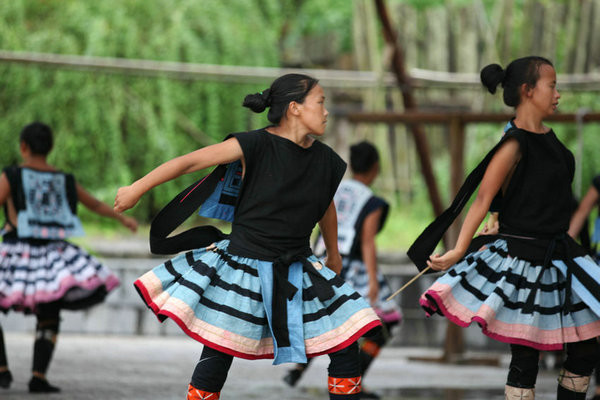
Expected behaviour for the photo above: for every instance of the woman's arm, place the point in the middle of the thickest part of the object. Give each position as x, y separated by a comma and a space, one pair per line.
369, 252
585, 208
103, 209
328, 227
498, 169
220, 153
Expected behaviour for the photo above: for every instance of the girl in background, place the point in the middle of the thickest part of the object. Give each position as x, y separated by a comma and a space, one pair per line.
40, 272
361, 215
589, 201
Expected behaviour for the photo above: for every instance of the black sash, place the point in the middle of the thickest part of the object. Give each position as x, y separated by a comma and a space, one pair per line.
428, 240
178, 210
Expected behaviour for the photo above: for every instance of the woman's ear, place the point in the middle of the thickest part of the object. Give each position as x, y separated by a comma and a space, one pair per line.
526, 90
294, 108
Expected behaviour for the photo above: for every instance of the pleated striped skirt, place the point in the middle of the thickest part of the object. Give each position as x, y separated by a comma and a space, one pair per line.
491, 288
217, 299
57, 272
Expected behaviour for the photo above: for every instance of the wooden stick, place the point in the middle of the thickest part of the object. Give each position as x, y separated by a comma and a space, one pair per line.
414, 278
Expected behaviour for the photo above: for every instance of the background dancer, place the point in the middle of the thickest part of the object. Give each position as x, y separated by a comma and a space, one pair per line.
531, 285
40, 272
361, 215
589, 201
260, 292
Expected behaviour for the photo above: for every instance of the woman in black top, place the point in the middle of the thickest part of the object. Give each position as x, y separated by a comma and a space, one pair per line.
260, 292
530, 285
589, 201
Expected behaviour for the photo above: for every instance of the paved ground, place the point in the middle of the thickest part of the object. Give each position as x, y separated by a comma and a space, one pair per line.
153, 368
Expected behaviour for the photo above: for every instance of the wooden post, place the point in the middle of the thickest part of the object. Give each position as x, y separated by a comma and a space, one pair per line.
410, 103
454, 345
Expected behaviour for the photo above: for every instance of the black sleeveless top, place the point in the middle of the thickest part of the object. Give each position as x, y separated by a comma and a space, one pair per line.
285, 192
538, 200
534, 212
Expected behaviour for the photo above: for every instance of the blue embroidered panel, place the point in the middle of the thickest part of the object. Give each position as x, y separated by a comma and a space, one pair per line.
47, 214
221, 203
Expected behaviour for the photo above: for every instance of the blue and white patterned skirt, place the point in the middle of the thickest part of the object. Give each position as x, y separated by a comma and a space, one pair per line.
491, 288
217, 299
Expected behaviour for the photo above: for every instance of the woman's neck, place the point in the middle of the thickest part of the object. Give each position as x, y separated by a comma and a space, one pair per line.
530, 120
292, 132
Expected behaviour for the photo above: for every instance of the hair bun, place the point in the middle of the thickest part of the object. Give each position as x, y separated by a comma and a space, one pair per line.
491, 76
258, 102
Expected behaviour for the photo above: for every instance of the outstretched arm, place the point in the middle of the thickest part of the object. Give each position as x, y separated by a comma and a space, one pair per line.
369, 252
328, 227
585, 207
498, 169
100, 208
220, 153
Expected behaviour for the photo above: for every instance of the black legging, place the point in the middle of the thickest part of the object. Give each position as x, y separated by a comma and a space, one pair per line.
211, 371
379, 339
581, 359
46, 330
3, 361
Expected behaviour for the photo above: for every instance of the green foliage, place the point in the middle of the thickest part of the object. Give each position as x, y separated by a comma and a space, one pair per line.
112, 129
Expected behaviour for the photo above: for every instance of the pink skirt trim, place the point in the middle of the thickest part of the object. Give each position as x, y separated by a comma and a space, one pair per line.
521, 334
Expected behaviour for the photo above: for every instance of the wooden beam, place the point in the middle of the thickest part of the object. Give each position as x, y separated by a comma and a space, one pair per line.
446, 117
410, 103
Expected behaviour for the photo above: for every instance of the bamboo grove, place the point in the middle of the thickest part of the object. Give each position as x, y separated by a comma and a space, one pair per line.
111, 129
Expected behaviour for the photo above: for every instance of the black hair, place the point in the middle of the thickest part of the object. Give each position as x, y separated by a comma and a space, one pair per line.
38, 137
522, 70
283, 90
363, 156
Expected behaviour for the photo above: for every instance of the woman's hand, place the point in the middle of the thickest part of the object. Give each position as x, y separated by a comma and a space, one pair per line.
334, 262
442, 263
373, 292
490, 229
127, 197
129, 223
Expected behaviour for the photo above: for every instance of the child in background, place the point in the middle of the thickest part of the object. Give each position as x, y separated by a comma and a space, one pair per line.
40, 272
361, 215
589, 201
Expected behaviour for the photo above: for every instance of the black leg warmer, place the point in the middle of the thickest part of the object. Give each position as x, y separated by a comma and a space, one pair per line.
523, 368
344, 374
211, 371
3, 360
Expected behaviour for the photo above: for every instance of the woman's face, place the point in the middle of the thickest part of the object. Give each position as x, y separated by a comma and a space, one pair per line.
313, 113
544, 95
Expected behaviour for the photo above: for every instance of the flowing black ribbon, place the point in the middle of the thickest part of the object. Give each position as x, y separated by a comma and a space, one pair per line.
428, 240
178, 210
